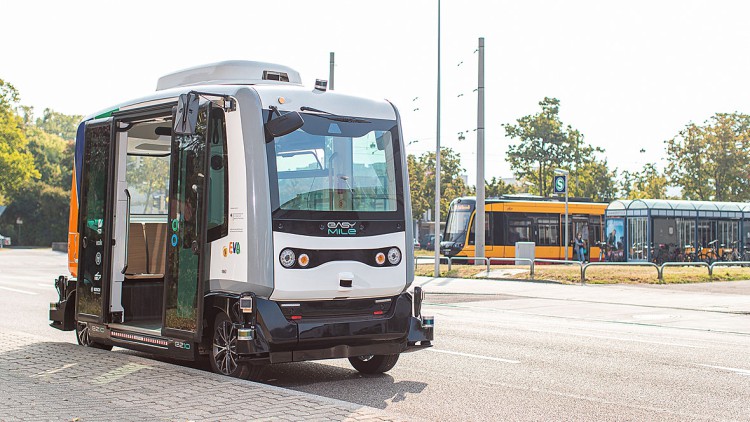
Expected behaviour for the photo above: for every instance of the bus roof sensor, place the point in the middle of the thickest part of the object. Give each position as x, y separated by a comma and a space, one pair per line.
233, 72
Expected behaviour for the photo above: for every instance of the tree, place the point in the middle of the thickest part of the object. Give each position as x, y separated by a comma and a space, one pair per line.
422, 182
593, 179
712, 162
16, 164
647, 183
53, 157
496, 188
44, 210
59, 124
545, 144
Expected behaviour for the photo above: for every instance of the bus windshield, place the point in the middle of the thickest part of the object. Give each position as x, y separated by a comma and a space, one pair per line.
458, 221
336, 165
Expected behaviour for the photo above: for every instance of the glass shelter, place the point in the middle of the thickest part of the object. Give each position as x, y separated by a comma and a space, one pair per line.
643, 229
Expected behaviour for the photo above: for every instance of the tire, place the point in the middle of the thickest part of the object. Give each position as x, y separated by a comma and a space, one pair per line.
374, 364
84, 338
223, 356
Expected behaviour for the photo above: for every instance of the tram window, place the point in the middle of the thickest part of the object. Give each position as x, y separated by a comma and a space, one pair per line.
498, 235
595, 230
548, 232
487, 230
519, 230
217, 190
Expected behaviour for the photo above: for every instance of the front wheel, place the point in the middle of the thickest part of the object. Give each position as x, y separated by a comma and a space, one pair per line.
374, 364
224, 358
83, 336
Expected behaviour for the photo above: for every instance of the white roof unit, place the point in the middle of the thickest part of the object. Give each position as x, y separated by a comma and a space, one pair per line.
232, 72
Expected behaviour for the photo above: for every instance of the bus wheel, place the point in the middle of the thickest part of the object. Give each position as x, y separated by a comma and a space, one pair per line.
374, 364
224, 358
83, 335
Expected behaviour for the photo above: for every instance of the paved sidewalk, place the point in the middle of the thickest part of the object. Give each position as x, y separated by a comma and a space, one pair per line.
45, 381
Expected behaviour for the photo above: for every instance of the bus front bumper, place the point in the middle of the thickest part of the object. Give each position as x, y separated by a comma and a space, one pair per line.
275, 339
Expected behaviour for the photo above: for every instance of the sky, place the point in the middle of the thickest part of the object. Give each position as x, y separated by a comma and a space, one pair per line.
629, 75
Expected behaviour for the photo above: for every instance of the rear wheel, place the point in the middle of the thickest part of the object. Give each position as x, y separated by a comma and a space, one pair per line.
224, 358
374, 364
83, 336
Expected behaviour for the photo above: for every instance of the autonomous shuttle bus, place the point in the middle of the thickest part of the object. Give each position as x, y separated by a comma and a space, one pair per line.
236, 215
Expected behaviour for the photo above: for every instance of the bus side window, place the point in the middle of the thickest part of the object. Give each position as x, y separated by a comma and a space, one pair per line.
218, 199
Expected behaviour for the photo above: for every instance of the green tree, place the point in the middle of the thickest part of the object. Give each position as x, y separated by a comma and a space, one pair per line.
546, 144
712, 162
53, 157
422, 181
16, 164
593, 179
496, 188
647, 183
44, 210
59, 124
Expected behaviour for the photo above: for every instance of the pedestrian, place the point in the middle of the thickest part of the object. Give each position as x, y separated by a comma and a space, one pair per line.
579, 247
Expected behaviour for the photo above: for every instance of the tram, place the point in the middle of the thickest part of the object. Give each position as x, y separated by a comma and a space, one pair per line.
236, 215
510, 219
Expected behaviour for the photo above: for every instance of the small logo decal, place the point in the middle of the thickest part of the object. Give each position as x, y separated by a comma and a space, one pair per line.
342, 228
225, 251
174, 240
98, 258
234, 248
175, 225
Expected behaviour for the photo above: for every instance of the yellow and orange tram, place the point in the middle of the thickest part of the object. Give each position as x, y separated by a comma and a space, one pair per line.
511, 219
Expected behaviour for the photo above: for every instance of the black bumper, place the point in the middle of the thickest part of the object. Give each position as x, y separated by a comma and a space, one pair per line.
62, 312
277, 339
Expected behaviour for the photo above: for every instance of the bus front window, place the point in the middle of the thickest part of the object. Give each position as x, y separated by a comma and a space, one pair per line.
336, 165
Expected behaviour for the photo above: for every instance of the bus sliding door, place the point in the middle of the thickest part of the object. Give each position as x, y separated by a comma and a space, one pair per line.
186, 238
94, 228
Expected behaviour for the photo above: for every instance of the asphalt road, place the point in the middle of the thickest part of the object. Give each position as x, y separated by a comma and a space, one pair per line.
503, 356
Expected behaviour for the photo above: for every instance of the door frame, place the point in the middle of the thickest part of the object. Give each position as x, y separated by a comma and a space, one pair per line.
106, 235
204, 252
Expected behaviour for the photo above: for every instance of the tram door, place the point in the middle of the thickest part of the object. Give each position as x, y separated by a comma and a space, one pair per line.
95, 222
581, 226
186, 244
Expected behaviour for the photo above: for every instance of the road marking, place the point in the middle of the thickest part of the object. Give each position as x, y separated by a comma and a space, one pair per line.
474, 356
745, 372
17, 290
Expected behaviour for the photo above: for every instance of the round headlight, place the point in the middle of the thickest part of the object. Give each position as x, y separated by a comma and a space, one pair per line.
394, 256
303, 260
380, 258
287, 258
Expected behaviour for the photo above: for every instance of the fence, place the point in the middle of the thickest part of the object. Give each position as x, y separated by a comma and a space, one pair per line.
583, 266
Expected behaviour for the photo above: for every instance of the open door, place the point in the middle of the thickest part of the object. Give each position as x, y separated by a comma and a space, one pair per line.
186, 264
95, 223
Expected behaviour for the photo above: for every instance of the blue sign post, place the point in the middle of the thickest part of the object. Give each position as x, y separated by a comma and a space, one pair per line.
560, 185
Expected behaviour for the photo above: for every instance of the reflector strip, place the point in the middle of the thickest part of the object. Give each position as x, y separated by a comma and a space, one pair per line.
141, 339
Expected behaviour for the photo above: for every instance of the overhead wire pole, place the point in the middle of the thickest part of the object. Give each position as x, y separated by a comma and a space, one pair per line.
330, 73
436, 242
480, 217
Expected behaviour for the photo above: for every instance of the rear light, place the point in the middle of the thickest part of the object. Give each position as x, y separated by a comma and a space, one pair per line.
378, 313
296, 317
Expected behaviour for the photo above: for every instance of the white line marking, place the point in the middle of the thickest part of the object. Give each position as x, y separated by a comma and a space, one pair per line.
473, 356
45, 285
745, 372
17, 290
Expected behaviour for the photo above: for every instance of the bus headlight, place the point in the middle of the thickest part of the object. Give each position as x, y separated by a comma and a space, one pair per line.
394, 256
287, 258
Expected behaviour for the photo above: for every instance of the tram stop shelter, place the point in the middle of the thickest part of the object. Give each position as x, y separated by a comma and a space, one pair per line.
635, 227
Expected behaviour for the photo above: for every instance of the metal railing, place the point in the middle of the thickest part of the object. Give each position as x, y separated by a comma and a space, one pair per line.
531, 262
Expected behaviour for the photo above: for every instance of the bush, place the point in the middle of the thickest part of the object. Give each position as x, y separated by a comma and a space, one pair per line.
44, 211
